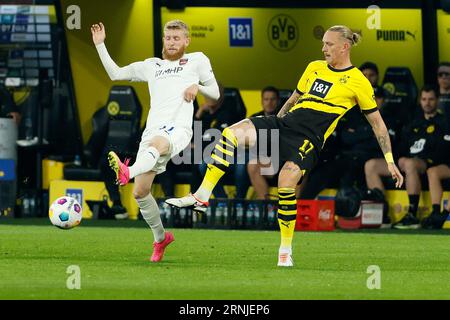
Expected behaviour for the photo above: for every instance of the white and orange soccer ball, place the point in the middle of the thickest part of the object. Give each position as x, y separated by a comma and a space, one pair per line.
65, 213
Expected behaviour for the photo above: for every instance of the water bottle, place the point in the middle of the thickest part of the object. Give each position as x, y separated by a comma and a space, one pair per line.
208, 215
239, 214
32, 206
162, 211
77, 160
183, 214
196, 217
270, 214
26, 206
225, 214
28, 128
168, 212
251, 214
219, 214
257, 215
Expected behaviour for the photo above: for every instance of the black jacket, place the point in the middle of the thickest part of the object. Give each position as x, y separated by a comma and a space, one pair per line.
356, 134
426, 139
7, 104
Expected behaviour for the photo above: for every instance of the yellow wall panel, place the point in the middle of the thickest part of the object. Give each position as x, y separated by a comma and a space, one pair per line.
252, 68
51, 170
443, 21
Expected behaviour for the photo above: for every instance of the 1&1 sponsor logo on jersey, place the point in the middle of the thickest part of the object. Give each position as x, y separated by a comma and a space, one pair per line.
320, 88
240, 32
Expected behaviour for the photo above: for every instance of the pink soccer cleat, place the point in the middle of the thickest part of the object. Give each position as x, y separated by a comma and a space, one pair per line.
159, 247
121, 169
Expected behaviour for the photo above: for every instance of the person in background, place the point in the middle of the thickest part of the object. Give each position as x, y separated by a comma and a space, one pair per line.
436, 175
370, 71
8, 107
418, 151
443, 79
270, 98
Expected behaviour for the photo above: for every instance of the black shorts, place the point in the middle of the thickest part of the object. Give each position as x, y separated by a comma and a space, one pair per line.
293, 145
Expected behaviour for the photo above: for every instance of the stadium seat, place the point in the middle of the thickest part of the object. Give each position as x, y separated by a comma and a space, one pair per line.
233, 101
284, 96
401, 87
116, 126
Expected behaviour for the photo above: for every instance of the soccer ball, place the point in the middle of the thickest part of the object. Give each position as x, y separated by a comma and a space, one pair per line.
65, 213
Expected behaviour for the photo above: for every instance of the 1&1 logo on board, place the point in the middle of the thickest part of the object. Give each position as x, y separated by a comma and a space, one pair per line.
283, 32
240, 32
77, 194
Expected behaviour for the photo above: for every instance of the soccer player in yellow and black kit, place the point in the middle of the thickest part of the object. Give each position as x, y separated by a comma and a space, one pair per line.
325, 92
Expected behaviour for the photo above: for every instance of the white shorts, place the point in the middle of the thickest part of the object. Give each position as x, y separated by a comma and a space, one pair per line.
179, 139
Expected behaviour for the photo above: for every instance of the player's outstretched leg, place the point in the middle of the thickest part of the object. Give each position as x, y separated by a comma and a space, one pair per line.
222, 156
189, 201
289, 176
287, 214
121, 169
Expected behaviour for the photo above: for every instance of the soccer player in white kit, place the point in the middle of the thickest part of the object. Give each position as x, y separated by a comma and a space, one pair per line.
174, 82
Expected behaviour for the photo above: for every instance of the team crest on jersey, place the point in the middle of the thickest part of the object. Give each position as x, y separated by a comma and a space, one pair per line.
430, 129
183, 61
344, 79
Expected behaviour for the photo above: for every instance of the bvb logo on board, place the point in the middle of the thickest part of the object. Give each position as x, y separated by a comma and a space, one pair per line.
282, 32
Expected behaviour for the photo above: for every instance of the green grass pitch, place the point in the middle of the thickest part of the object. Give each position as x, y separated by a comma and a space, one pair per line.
218, 264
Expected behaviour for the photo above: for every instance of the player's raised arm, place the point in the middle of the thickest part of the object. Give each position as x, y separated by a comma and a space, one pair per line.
98, 33
114, 71
382, 135
289, 103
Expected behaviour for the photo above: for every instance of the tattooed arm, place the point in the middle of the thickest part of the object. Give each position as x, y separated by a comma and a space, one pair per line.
382, 135
289, 104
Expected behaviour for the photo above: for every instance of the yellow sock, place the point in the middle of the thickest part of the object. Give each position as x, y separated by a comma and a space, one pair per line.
287, 214
222, 155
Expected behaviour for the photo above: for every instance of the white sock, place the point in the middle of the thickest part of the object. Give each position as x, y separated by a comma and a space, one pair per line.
150, 212
203, 194
285, 250
145, 162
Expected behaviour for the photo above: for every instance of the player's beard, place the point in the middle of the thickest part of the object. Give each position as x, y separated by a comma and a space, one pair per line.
173, 56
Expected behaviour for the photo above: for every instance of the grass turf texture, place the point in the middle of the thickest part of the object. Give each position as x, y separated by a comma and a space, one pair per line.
218, 264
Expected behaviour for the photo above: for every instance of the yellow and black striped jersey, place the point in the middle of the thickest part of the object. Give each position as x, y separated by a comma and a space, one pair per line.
326, 95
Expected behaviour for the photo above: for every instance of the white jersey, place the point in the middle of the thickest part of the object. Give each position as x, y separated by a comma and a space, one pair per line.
167, 81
